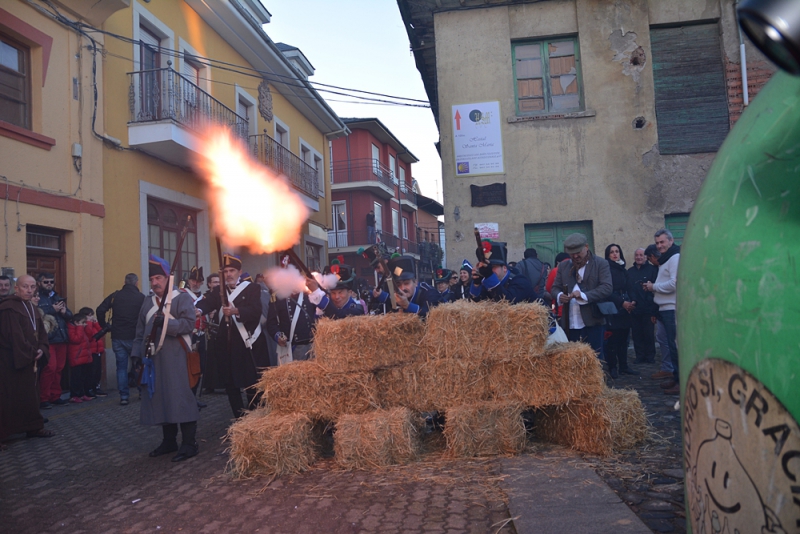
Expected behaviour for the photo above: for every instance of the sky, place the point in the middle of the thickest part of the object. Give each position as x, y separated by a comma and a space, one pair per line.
362, 44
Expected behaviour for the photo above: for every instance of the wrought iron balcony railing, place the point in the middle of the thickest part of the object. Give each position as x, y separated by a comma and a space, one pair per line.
279, 158
161, 94
361, 238
362, 170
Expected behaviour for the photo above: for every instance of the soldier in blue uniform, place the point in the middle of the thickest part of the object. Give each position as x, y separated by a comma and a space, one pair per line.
443, 293
340, 303
411, 298
494, 280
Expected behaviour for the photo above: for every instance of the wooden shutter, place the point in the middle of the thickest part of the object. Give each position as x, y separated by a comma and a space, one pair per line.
691, 99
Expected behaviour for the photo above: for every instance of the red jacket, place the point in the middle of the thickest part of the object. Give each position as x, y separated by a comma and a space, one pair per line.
99, 346
79, 350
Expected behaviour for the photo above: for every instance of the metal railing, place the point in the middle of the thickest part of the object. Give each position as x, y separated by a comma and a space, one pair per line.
406, 193
362, 170
161, 94
279, 158
359, 238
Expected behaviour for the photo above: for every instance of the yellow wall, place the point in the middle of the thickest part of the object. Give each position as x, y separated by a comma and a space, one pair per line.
56, 114
124, 169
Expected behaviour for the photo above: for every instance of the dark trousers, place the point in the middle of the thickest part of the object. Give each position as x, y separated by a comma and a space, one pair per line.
97, 364
644, 338
80, 378
593, 335
235, 400
188, 433
616, 349
668, 318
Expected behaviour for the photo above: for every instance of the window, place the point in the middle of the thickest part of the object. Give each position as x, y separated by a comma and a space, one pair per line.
376, 160
305, 154
337, 235
245, 110
547, 76
378, 217
150, 61
405, 227
314, 257
15, 83
690, 90
548, 239
320, 174
402, 172
164, 225
395, 222
392, 170
281, 134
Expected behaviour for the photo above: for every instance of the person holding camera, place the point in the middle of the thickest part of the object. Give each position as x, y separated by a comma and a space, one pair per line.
55, 305
124, 305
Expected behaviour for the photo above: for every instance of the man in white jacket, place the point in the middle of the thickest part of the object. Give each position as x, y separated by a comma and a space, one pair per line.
665, 289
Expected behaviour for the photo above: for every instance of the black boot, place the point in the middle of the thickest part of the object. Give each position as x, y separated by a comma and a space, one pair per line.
189, 446
169, 443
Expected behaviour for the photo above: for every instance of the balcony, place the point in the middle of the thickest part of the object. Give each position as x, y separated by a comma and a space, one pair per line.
344, 241
408, 198
364, 175
169, 112
277, 157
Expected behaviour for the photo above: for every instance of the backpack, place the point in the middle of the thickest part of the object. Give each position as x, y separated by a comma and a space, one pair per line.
537, 283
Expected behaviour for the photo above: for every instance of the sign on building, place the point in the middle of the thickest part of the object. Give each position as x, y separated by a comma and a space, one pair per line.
477, 140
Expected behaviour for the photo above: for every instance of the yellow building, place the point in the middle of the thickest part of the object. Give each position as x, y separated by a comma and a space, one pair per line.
172, 68
51, 152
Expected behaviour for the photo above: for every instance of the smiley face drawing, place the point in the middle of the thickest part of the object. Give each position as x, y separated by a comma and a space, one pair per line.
726, 500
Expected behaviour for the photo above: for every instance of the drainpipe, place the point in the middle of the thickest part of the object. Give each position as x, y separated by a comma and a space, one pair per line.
742, 59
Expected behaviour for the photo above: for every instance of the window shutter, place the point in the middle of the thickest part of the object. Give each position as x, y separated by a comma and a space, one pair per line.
691, 99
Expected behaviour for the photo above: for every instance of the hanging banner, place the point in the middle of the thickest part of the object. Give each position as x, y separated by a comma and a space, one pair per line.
477, 139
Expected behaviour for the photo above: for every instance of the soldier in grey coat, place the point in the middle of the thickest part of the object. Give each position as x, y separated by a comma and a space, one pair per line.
167, 400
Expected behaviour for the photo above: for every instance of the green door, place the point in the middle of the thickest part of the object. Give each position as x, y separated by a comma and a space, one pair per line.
676, 223
548, 239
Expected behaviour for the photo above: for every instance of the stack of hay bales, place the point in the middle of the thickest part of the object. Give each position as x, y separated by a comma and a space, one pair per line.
481, 364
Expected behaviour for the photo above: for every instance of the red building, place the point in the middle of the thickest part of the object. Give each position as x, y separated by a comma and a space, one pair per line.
372, 172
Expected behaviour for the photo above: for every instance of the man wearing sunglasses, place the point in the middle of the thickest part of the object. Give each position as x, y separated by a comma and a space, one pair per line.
53, 304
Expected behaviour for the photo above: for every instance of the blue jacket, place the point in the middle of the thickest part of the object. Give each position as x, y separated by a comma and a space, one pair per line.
46, 301
513, 287
350, 308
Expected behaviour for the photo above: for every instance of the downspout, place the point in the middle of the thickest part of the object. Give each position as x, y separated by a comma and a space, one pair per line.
742, 58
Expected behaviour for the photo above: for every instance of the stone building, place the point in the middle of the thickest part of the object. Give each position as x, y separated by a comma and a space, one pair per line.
587, 115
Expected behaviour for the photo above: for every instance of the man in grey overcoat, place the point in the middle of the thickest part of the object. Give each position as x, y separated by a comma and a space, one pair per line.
581, 281
167, 400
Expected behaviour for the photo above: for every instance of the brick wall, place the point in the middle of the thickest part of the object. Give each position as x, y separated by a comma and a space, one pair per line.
758, 74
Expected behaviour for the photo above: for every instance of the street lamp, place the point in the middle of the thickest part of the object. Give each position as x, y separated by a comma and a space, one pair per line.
774, 27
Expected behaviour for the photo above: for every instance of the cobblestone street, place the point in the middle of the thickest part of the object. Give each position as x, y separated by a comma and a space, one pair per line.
95, 476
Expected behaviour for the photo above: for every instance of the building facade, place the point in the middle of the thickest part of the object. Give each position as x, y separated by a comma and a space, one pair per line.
603, 117
174, 68
51, 146
372, 172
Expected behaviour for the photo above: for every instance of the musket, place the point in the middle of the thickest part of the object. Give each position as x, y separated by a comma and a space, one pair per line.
479, 251
150, 347
387, 276
299, 263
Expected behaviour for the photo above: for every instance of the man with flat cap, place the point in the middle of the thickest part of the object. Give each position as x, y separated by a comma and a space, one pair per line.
411, 298
240, 347
167, 399
340, 303
581, 281
495, 281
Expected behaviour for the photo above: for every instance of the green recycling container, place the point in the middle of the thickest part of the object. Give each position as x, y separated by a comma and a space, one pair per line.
739, 326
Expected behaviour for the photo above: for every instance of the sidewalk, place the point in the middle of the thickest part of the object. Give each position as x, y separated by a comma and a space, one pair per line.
95, 476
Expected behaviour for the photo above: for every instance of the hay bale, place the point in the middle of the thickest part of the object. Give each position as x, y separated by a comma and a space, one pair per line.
368, 342
614, 420
629, 424
308, 388
377, 439
432, 385
263, 443
484, 429
565, 372
485, 330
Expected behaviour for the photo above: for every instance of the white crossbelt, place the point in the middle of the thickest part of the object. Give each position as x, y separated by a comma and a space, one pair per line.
167, 316
248, 339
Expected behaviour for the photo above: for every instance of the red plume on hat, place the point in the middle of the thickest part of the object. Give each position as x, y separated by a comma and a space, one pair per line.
487, 248
340, 257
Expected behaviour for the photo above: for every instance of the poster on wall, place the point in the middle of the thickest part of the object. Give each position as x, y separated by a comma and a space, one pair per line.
477, 139
488, 230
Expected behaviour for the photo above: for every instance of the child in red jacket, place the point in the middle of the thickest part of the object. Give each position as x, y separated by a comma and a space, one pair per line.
79, 356
98, 347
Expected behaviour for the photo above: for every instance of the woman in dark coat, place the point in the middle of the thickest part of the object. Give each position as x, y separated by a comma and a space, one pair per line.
619, 325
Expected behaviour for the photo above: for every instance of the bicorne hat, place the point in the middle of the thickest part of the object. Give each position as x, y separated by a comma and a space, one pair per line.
402, 268
499, 254
443, 275
231, 260
158, 266
346, 274
196, 274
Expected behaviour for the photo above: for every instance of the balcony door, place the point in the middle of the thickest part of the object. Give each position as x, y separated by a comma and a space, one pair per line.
150, 77
378, 221
190, 91
337, 237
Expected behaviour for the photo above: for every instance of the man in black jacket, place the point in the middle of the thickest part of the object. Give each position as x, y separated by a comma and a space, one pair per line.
641, 307
124, 305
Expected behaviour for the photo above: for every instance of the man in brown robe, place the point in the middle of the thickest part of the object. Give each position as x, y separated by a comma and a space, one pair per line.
23, 349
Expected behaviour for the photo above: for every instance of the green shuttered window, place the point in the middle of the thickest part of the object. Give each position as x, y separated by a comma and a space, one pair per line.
547, 76
691, 99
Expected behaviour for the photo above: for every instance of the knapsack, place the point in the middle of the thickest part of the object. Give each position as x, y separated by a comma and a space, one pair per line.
537, 283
